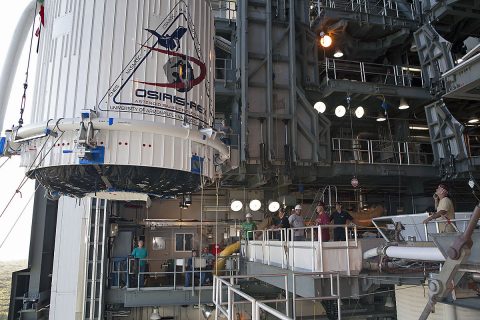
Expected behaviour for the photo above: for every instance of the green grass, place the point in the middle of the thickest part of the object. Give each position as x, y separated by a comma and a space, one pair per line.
6, 269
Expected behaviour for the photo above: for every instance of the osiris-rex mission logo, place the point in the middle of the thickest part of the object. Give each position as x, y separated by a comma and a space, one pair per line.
168, 95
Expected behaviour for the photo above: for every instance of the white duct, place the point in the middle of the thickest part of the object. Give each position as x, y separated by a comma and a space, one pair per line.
410, 253
13, 56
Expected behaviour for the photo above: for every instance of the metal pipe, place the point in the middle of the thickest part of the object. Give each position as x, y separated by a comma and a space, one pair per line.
13, 56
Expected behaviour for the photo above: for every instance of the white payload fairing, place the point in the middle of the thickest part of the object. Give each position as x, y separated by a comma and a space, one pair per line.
124, 99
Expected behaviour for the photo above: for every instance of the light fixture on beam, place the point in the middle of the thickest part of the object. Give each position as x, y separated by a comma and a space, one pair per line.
381, 117
273, 206
325, 40
338, 53
255, 205
403, 104
340, 111
236, 205
359, 112
188, 199
473, 120
155, 315
320, 107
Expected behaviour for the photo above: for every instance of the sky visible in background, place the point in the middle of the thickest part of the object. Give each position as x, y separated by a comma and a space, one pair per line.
18, 242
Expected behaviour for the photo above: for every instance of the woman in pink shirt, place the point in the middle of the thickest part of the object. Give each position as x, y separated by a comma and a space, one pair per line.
322, 219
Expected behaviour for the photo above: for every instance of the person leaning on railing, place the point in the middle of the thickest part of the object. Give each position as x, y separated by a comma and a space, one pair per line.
321, 220
297, 221
445, 211
248, 227
140, 254
340, 217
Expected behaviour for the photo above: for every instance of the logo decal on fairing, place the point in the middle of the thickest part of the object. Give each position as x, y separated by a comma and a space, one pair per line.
163, 87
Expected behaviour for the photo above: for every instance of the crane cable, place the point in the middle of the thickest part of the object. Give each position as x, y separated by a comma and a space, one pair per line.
25, 84
19, 216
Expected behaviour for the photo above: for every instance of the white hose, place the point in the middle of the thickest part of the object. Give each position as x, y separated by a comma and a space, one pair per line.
13, 56
371, 253
415, 253
409, 253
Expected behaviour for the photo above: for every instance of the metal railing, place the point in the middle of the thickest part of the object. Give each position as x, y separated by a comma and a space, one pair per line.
281, 241
413, 228
377, 7
131, 276
224, 9
237, 297
405, 76
334, 290
224, 71
473, 145
381, 151
227, 308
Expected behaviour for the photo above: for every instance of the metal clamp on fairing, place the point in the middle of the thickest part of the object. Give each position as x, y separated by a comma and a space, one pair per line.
8, 147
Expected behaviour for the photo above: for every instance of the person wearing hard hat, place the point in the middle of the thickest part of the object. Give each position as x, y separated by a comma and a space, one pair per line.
296, 221
247, 226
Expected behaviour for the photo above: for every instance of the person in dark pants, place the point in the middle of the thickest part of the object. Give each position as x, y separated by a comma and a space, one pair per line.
140, 254
190, 268
338, 217
280, 222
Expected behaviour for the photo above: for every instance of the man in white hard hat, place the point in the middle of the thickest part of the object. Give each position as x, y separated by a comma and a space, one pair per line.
296, 221
249, 225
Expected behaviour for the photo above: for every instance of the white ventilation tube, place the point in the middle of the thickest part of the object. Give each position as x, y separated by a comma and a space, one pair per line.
10, 65
410, 253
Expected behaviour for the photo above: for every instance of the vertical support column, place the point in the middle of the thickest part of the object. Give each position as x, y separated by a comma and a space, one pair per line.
269, 53
293, 79
242, 34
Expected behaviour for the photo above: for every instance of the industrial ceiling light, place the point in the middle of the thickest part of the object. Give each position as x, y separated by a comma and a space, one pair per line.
155, 315
188, 199
255, 205
359, 112
403, 104
338, 53
273, 206
473, 120
418, 127
325, 40
236, 205
207, 310
320, 107
381, 117
340, 111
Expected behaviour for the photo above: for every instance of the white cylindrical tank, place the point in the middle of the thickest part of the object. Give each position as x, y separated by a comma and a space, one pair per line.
128, 86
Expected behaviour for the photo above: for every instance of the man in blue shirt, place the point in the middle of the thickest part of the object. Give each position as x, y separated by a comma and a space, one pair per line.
140, 254
340, 217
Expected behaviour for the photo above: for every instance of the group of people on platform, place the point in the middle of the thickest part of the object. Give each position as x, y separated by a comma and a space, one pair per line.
444, 214
339, 217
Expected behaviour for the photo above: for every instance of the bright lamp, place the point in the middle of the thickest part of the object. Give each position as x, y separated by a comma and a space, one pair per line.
255, 205
340, 111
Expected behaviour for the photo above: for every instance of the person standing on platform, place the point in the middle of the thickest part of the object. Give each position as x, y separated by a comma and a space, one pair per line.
190, 268
340, 217
296, 221
140, 254
445, 211
206, 277
247, 226
322, 220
